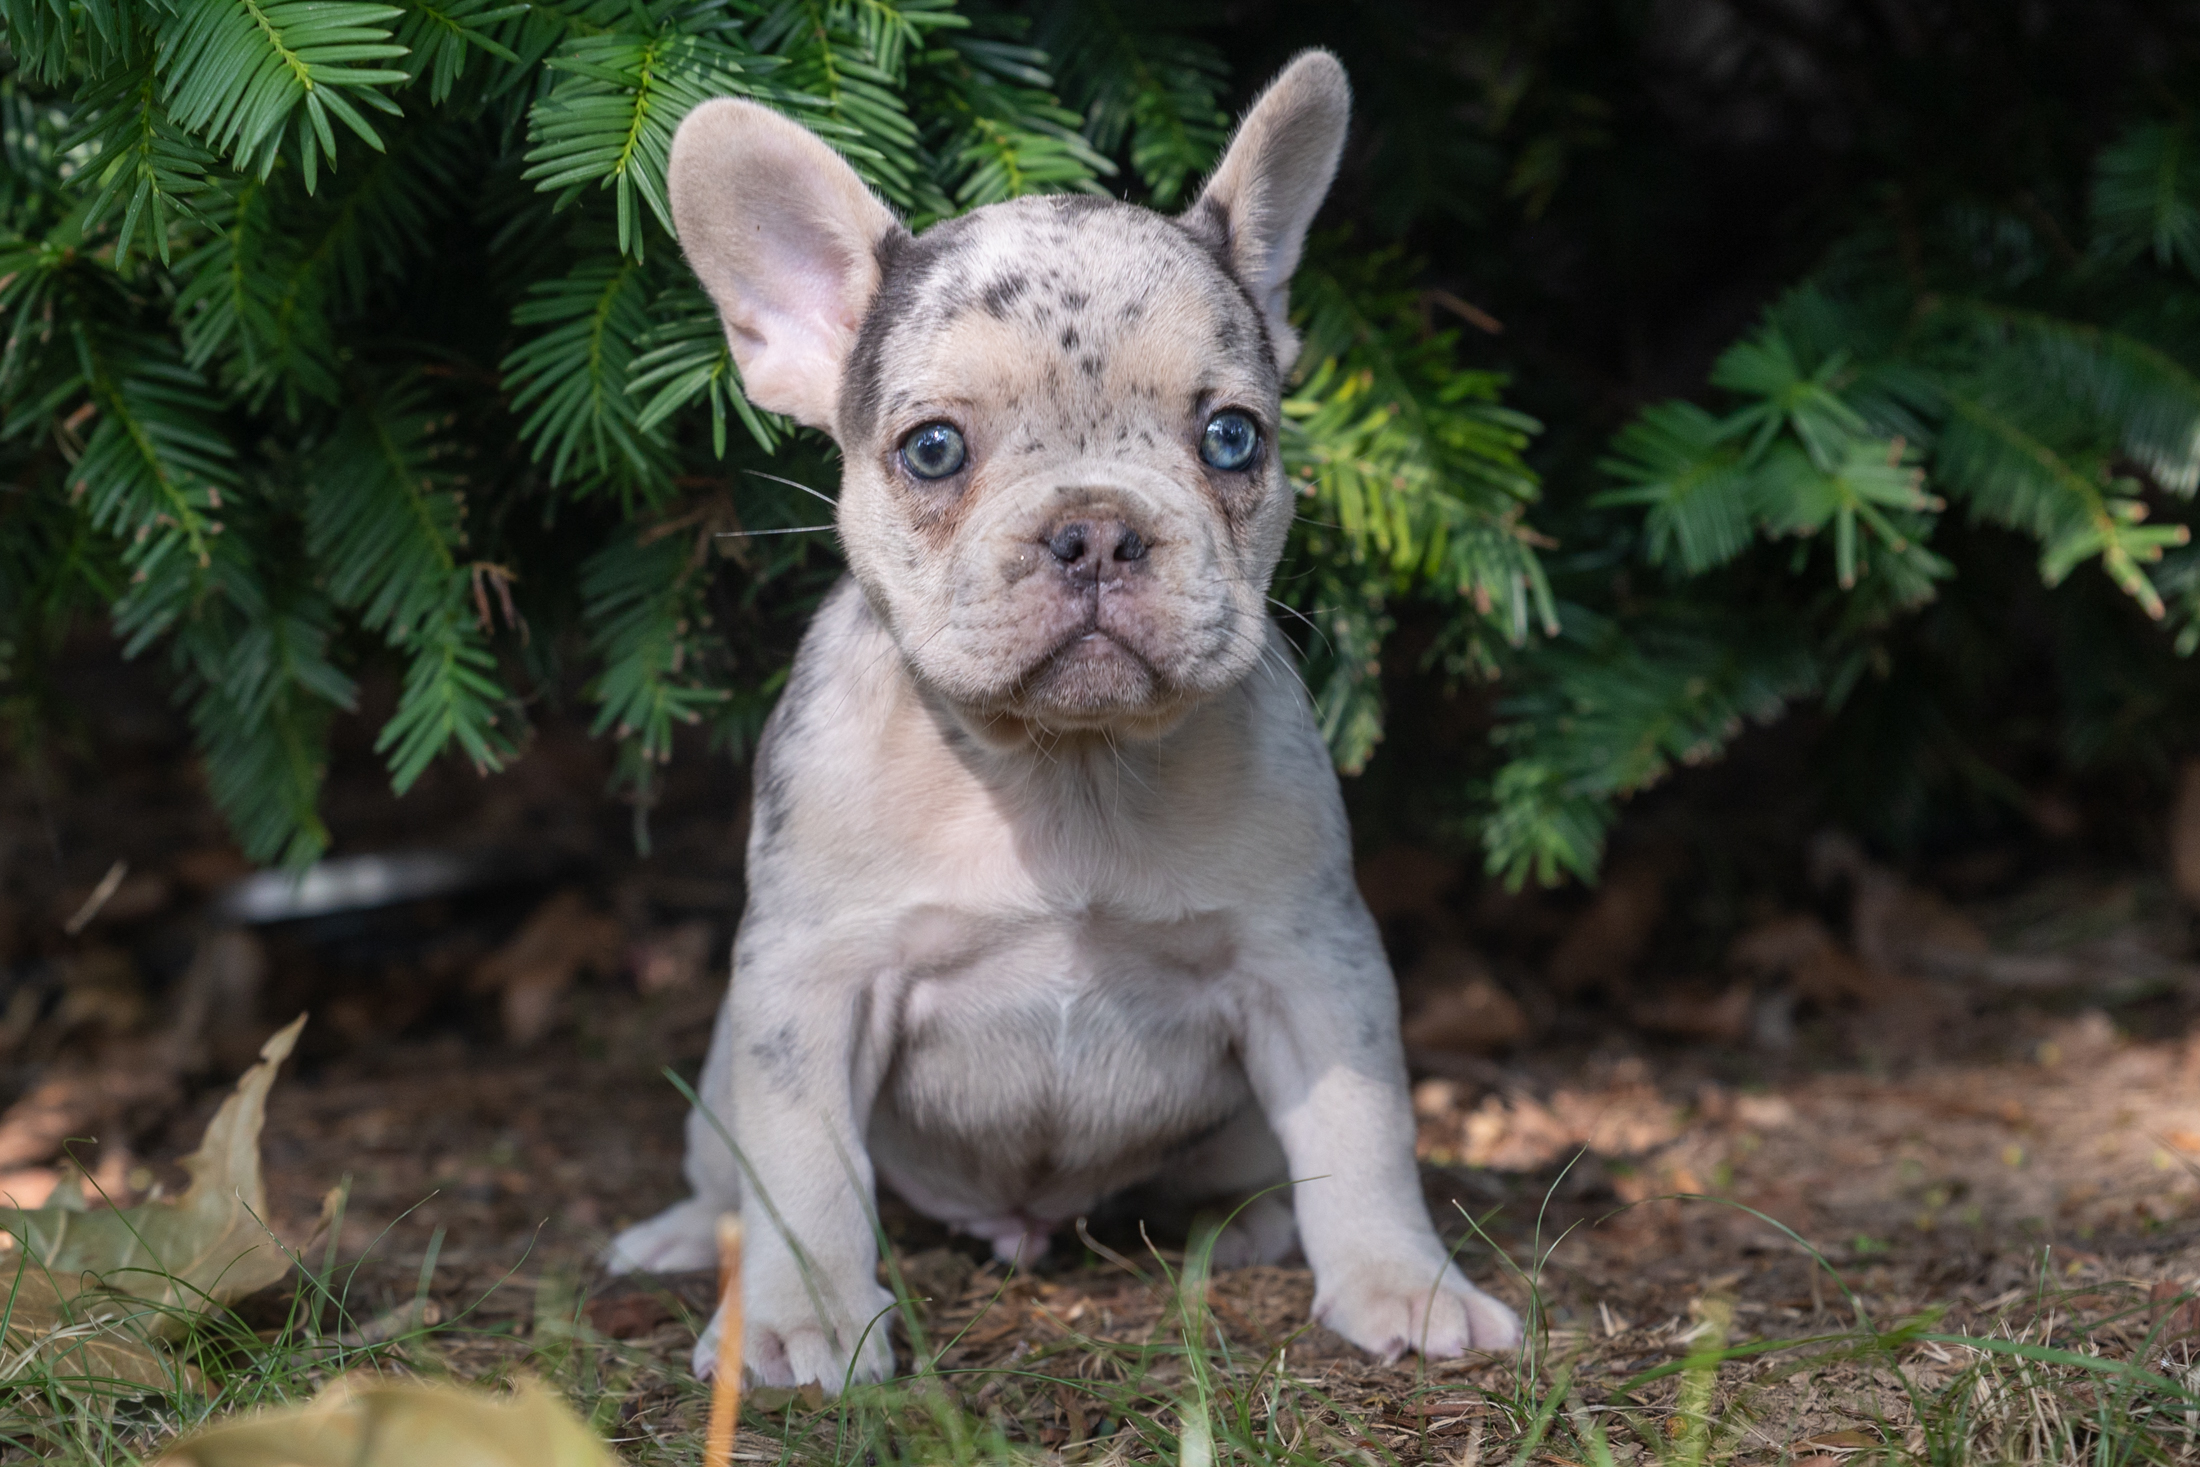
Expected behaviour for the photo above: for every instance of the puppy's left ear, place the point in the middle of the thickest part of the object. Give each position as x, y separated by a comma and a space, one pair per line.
1278, 167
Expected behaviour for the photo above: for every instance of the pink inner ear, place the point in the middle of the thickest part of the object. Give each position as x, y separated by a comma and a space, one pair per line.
780, 229
802, 312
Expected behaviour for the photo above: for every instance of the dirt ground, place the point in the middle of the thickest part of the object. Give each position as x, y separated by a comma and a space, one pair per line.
1960, 1094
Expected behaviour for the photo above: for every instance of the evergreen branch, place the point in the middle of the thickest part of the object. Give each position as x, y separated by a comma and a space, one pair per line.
685, 356
236, 72
45, 36
845, 72
572, 378
439, 36
2013, 478
1682, 466
1141, 83
1612, 713
640, 601
1000, 131
2146, 197
262, 695
611, 116
2151, 399
143, 156
252, 305
387, 525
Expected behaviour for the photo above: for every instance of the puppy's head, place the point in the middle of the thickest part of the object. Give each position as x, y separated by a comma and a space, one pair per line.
1058, 414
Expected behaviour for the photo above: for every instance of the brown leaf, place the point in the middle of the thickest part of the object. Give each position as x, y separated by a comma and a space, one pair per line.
407, 1425
2184, 835
1720, 1017
1464, 1011
533, 970
1602, 947
138, 1274
1838, 1441
627, 1316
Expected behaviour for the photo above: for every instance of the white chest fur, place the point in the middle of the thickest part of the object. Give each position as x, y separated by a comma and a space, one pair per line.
1038, 1065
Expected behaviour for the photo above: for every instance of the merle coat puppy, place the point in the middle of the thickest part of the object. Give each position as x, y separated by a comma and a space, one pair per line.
1050, 887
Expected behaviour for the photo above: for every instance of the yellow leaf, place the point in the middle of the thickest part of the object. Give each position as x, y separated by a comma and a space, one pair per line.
404, 1425
89, 1291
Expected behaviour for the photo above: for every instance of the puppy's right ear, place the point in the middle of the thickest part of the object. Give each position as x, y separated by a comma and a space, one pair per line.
785, 238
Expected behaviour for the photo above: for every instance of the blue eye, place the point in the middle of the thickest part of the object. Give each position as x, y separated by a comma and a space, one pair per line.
1230, 440
933, 451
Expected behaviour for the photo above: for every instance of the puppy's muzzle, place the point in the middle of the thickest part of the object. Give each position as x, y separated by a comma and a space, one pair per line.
1094, 550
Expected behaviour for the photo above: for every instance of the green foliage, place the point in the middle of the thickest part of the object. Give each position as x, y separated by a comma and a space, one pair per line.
345, 336
1415, 488
2063, 406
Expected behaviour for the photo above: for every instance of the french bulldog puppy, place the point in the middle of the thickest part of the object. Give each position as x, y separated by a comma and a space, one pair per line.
1050, 887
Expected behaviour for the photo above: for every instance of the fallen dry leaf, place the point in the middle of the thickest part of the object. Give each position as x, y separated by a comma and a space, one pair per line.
1839, 1441
628, 1316
1600, 950
90, 1289
404, 1425
1464, 1011
1720, 1018
531, 972
2184, 835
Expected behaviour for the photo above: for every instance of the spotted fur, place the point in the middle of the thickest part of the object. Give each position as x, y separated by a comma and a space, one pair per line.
1050, 890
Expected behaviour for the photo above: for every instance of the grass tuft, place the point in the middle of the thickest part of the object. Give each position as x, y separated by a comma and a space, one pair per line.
2108, 1376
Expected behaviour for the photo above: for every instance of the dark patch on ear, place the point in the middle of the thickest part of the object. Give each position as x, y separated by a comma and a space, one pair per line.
1003, 293
1209, 228
907, 266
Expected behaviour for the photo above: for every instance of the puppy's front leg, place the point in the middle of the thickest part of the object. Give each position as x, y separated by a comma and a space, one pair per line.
1323, 1055
793, 1083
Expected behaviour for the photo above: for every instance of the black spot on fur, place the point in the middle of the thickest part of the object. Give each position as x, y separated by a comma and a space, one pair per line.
1091, 366
1132, 310
1069, 338
1074, 300
779, 1055
1003, 293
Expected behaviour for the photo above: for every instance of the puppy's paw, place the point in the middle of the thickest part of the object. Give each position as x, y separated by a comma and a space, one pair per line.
1390, 1306
797, 1353
682, 1237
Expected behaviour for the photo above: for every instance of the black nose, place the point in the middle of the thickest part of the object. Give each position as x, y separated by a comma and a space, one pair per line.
1079, 543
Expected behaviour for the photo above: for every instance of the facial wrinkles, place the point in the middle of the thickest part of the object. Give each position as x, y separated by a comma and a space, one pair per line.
1080, 354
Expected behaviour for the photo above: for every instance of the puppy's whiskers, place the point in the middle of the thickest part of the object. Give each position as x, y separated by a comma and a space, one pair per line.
792, 530
791, 484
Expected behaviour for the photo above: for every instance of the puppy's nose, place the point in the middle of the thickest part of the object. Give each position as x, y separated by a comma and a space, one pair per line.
1096, 548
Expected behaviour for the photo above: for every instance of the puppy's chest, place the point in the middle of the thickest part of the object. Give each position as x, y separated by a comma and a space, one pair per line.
1064, 1040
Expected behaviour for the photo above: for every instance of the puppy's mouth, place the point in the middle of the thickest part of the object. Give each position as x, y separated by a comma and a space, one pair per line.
1092, 673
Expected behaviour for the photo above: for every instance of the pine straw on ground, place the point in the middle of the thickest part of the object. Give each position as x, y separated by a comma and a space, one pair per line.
1987, 1263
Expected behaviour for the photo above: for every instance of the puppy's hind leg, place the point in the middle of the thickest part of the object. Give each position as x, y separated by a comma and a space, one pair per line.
684, 1237
681, 1239
1239, 1177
